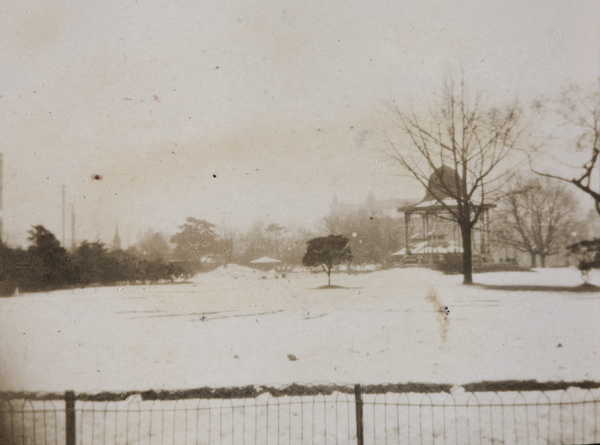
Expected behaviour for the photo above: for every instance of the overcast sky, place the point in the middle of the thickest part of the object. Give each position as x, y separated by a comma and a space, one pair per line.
234, 111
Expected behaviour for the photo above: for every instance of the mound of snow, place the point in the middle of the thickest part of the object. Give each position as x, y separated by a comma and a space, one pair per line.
234, 271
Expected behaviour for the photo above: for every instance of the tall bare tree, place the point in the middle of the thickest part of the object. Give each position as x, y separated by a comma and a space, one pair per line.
255, 242
275, 230
471, 139
226, 244
377, 236
293, 245
579, 111
536, 217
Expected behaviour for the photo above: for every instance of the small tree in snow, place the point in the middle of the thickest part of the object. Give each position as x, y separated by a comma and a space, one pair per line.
327, 252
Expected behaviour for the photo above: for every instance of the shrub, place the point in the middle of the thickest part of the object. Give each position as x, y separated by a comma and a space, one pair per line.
587, 253
449, 263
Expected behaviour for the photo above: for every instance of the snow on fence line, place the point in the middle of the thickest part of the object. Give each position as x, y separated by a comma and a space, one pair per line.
485, 412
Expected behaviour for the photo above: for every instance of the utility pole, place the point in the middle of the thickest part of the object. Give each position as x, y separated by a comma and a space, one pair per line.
73, 243
63, 215
1, 207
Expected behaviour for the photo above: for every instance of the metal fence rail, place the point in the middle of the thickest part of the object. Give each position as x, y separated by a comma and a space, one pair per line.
266, 419
32, 419
559, 417
495, 412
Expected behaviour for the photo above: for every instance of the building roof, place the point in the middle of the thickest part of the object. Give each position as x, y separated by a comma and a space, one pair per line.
443, 183
372, 205
265, 260
424, 248
442, 190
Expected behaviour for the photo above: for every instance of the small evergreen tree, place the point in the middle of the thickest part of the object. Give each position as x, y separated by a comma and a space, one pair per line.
51, 267
327, 252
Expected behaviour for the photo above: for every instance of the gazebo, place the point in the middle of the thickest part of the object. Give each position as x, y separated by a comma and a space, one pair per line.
430, 229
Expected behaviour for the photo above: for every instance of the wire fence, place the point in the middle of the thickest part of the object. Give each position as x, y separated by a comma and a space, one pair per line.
493, 413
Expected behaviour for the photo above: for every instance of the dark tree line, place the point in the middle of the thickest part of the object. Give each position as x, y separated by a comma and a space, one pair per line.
197, 246
46, 265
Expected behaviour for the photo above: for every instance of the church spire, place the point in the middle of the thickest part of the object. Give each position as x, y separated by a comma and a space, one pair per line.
116, 244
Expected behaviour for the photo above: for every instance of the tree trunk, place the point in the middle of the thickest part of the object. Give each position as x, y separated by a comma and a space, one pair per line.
329, 277
543, 260
533, 260
465, 230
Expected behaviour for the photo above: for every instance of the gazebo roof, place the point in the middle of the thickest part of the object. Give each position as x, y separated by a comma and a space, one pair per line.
442, 190
443, 183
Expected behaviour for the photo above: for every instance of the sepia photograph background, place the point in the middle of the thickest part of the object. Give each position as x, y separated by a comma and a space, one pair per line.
165, 166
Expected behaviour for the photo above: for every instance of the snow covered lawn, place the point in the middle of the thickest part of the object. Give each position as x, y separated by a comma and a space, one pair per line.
233, 327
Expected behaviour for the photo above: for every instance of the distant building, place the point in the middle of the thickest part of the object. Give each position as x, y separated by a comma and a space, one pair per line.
375, 207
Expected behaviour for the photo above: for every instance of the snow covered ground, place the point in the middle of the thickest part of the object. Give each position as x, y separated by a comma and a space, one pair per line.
234, 327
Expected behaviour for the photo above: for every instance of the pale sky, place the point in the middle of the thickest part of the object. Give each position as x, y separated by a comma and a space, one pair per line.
234, 111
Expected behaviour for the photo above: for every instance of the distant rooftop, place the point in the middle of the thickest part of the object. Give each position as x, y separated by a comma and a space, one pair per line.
371, 204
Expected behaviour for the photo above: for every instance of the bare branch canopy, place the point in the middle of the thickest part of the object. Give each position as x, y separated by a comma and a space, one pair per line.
476, 141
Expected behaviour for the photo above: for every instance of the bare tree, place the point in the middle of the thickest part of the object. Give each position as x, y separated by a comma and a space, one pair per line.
579, 111
337, 222
372, 237
275, 230
473, 141
536, 217
226, 244
255, 242
293, 245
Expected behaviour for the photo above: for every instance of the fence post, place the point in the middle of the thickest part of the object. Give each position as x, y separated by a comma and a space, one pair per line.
70, 417
359, 414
